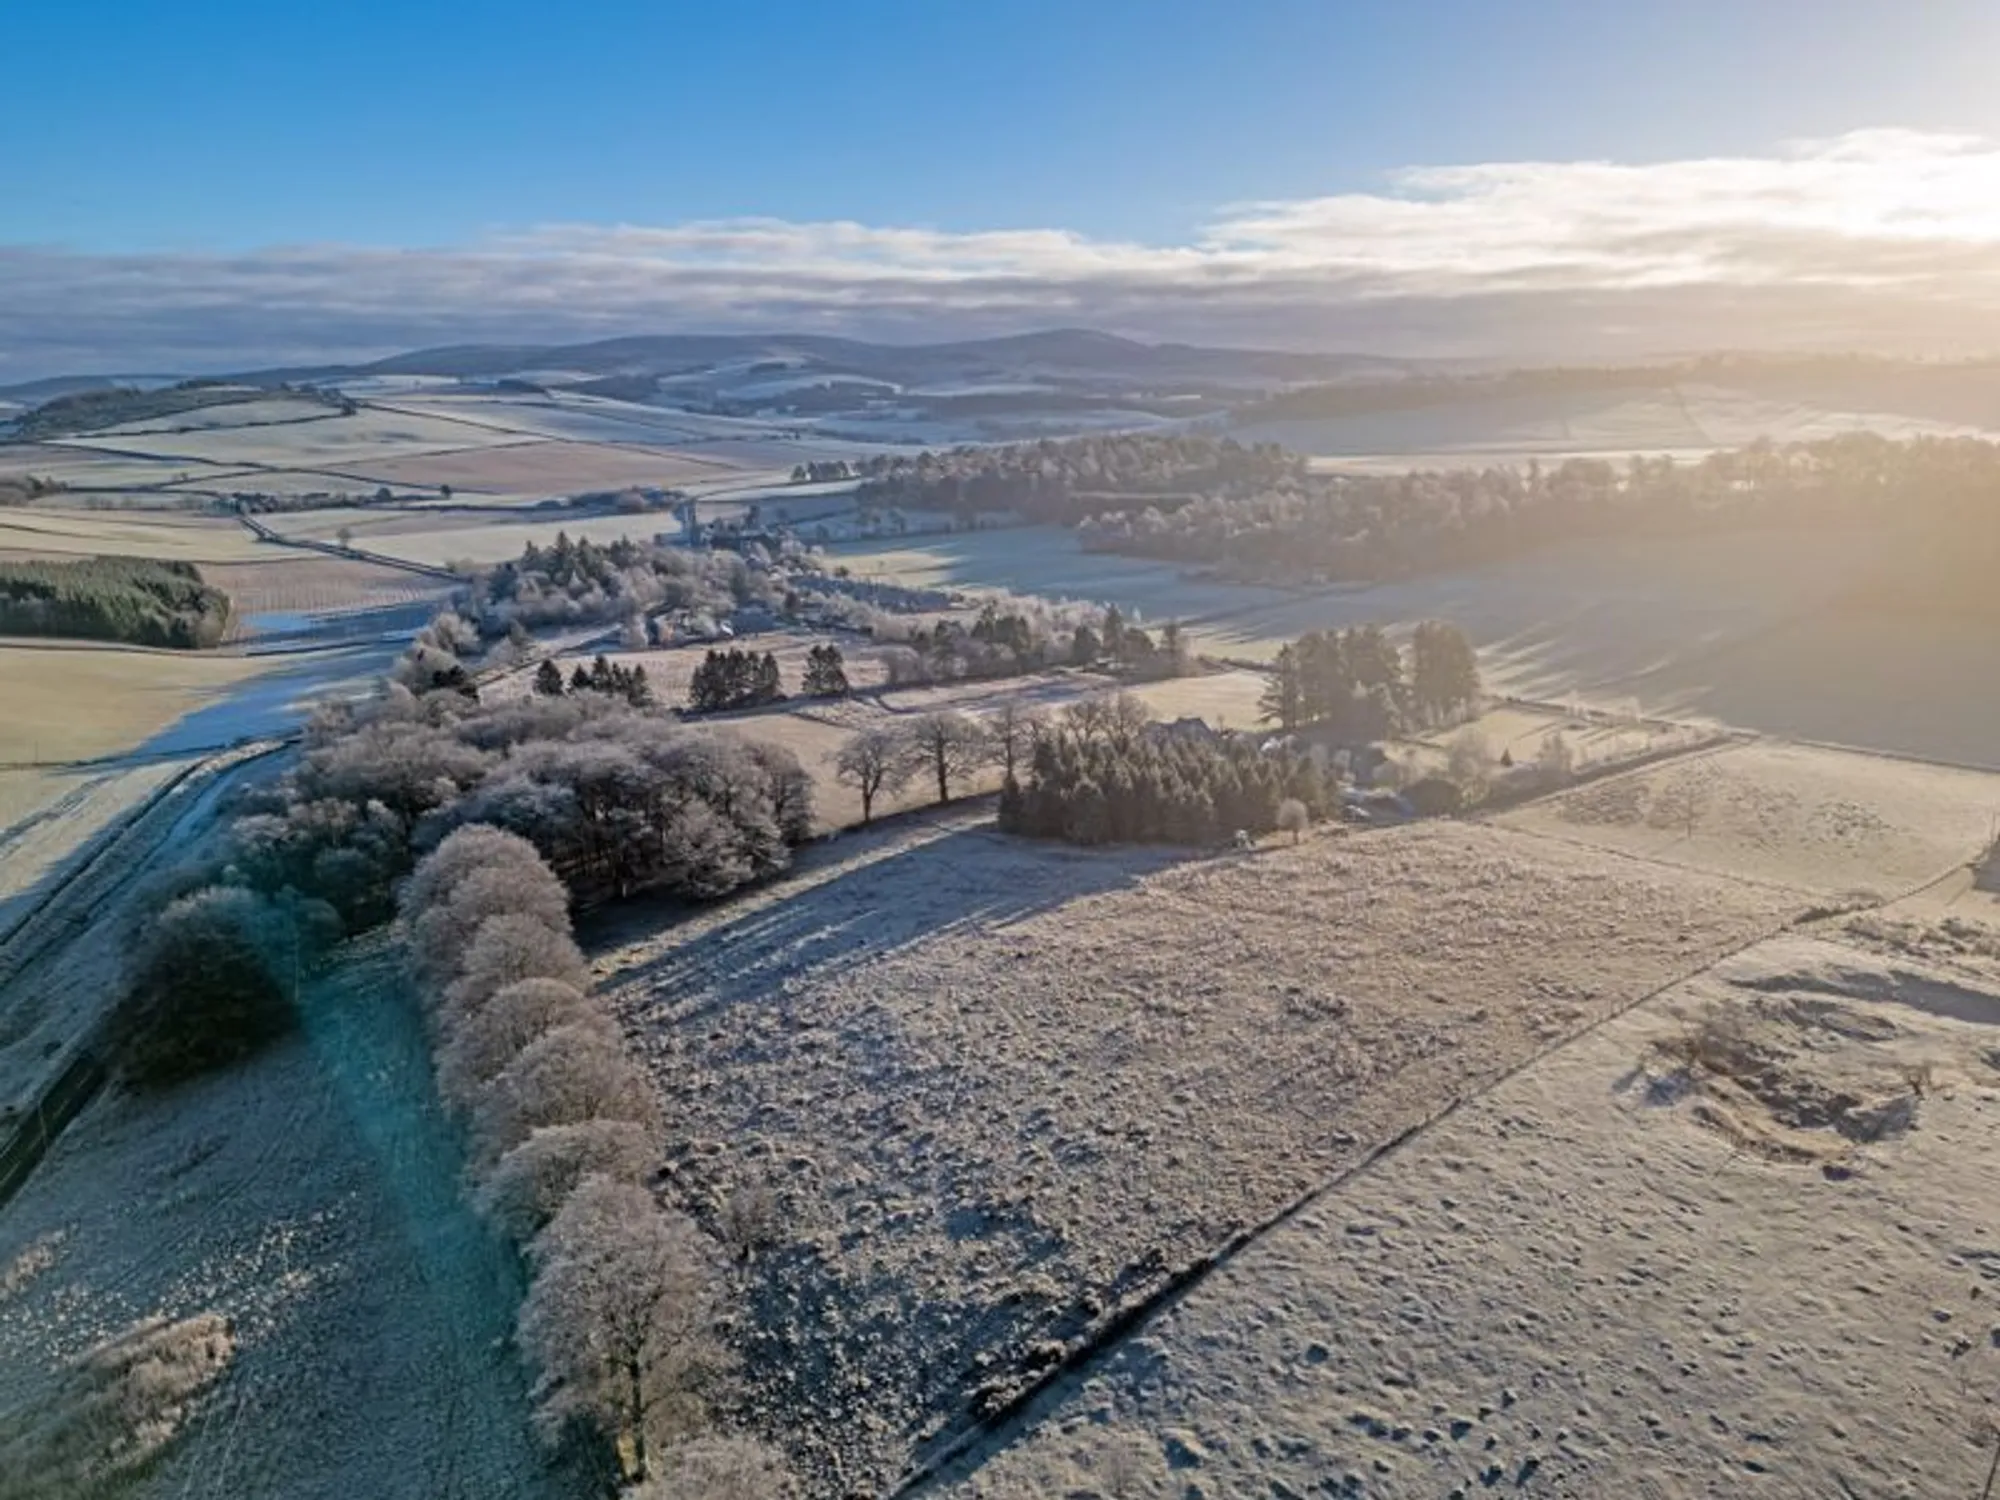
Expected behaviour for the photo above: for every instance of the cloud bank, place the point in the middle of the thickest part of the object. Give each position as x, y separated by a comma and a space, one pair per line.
1879, 239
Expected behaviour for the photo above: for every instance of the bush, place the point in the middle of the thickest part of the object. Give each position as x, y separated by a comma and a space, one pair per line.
1435, 797
205, 987
1293, 818
117, 1408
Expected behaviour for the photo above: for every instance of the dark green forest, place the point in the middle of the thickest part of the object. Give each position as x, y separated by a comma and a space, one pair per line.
136, 600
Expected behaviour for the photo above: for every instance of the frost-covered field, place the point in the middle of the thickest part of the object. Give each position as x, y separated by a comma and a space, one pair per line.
328, 441
311, 1196
1746, 629
47, 818
86, 533
1611, 1276
1812, 820
1002, 1087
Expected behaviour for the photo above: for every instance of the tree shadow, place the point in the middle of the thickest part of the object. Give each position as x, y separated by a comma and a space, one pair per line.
877, 901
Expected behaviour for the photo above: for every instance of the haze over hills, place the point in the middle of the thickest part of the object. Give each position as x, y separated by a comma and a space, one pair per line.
1068, 354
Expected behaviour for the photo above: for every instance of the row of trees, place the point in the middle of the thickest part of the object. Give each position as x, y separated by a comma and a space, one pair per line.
602, 676
626, 1300
1121, 783
1069, 479
947, 749
1063, 480
138, 600
1368, 527
1363, 686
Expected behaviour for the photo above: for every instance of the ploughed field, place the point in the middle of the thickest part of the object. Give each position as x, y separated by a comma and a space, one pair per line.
1002, 1089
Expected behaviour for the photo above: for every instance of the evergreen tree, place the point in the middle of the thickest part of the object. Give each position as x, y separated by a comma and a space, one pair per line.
1283, 700
1444, 671
549, 679
826, 672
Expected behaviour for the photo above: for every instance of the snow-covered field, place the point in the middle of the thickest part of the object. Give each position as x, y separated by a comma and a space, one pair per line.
1611, 1276
1003, 1087
47, 818
332, 441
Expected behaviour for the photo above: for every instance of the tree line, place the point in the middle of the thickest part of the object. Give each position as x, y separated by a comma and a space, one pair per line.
1065, 479
140, 601
624, 1319
1371, 527
579, 581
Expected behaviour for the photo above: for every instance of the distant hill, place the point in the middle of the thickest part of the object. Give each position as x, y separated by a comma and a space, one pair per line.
1068, 355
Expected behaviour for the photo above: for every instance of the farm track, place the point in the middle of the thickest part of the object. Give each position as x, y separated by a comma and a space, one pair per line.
986, 1438
264, 533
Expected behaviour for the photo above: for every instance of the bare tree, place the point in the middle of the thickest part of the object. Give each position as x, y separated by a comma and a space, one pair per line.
873, 762
1016, 728
1555, 760
718, 1468
531, 1183
621, 1318
948, 746
1469, 760
1116, 718
573, 1074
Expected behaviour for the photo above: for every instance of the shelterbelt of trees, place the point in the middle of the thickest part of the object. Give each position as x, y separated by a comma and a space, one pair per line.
140, 601
1258, 513
1349, 527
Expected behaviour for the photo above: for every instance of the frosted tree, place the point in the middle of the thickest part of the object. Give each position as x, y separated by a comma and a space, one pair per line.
873, 762
531, 1183
947, 747
620, 1320
573, 1074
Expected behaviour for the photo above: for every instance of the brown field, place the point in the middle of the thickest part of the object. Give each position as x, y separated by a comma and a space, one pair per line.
303, 583
77, 701
1003, 1086
549, 468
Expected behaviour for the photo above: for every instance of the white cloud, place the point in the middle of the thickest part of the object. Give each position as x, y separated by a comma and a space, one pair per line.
1880, 238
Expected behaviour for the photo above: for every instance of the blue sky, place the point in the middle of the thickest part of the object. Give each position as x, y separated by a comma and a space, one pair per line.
220, 129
